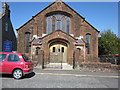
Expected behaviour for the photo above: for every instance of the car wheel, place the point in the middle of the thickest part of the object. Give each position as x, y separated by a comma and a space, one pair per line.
17, 74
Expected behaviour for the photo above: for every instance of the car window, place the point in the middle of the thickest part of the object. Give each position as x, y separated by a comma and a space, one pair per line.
25, 58
2, 57
13, 58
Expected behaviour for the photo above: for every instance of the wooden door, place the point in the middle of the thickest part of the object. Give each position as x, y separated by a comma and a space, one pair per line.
58, 53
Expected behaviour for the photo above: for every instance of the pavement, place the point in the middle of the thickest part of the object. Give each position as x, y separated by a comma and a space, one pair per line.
62, 79
76, 73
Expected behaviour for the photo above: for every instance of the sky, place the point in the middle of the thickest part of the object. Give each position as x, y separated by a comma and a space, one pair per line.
102, 15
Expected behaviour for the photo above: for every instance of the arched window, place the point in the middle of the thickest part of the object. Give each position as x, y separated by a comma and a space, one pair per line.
53, 23
27, 38
48, 25
37, 50
68, 25
63, 24
88, 38
6, 26
58, 22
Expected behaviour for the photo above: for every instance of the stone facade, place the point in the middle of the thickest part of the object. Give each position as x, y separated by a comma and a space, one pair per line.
74, 42
7, 28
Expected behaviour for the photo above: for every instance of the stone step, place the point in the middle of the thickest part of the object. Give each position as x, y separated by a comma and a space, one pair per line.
64, 66
53, 65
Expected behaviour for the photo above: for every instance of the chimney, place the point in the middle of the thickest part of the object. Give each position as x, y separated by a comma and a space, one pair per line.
6, 10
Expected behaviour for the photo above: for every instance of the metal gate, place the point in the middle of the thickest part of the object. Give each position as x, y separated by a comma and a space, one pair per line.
56, 57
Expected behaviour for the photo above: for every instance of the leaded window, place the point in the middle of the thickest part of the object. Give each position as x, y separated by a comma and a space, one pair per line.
58, 22
88, 42
6, 26
68, 25
63, 24
53, 23
27, 37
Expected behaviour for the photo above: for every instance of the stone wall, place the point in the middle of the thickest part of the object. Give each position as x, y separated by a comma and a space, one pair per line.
99, 67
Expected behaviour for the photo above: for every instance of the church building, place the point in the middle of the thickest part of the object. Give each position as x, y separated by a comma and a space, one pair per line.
7, 35
58, 35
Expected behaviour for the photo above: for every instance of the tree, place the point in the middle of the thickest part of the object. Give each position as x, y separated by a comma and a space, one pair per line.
108, 43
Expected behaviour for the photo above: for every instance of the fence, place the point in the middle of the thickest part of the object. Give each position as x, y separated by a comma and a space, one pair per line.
113, 58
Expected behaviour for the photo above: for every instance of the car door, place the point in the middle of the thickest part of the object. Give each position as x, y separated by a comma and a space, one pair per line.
2, 63
11, 62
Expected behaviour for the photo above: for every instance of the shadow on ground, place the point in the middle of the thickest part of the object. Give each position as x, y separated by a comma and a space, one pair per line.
10, 75
29, 75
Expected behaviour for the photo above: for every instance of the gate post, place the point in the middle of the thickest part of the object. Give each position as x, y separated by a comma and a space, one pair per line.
41, 59
76, 61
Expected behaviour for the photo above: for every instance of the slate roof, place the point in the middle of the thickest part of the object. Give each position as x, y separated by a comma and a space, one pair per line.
0, 15
80, 42
35, 41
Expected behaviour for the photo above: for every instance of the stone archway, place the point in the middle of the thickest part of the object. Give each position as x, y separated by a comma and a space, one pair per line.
58, 54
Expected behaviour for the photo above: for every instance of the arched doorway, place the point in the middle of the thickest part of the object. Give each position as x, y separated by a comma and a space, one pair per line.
58, 52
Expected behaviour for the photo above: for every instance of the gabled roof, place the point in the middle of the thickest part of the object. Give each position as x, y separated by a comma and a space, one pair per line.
81, 17
51, 5
35, 16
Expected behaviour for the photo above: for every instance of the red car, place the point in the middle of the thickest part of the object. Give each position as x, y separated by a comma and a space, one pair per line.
15, 63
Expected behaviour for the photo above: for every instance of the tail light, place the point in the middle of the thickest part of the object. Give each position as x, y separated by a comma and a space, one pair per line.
28, 66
